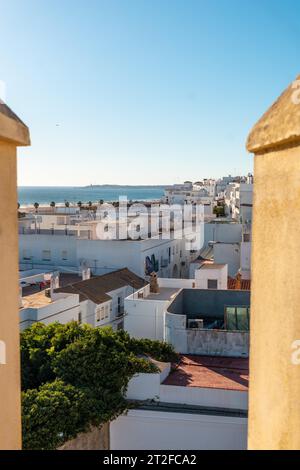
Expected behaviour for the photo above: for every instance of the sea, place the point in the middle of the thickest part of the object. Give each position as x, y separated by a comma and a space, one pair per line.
28, 195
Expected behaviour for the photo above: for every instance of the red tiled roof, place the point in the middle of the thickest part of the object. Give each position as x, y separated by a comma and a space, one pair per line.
228, 373
245, 284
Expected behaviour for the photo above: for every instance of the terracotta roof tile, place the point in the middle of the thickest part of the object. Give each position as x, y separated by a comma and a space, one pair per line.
228, 373
245, 284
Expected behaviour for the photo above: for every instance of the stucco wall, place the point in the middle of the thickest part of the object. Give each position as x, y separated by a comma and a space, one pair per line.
222, 232
275, 302
96, 439
228, 253
145, 429
10, 427
204, 342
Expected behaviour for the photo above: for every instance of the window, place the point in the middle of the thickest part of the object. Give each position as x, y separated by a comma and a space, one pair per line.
99, 314
237, 318
106, 312
102, 313
46, 255
79, 317
64, 255
212, 284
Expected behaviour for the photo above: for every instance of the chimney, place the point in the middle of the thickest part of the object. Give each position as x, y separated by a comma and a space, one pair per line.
86, 274
238, 282
154, 287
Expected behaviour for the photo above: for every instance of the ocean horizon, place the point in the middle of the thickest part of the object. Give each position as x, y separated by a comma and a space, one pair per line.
28, 195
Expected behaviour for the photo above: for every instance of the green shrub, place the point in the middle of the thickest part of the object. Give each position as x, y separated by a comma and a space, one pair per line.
74, 376
53, 414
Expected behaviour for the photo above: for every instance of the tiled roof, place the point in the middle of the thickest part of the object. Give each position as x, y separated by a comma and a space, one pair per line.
228, 373
245, 284
96, 288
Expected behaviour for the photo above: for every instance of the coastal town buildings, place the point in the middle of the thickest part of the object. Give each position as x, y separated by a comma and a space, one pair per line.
194, 320
97, 301
239, 200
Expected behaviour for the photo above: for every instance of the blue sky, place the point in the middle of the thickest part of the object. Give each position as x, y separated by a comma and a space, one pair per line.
143, 91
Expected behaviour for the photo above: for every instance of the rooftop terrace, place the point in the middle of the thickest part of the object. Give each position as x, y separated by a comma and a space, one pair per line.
225, 373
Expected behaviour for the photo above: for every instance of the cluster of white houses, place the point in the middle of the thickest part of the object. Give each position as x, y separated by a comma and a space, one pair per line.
198, 300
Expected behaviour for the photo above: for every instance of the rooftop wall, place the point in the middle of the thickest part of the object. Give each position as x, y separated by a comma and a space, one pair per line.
199, 303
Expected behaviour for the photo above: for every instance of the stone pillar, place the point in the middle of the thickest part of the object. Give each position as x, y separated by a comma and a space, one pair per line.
274, 398
12, 134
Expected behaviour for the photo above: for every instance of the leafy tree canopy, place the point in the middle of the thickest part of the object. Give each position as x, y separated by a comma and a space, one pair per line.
74, 375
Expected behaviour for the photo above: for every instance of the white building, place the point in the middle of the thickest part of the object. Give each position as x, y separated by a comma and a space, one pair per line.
201, 404
201, 192
98, 301
39, 307
209, 322
147, 313
239, 201
169, 258
211, 276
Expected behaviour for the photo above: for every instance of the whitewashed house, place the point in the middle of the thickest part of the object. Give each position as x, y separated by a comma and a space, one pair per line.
98, 301
201, 404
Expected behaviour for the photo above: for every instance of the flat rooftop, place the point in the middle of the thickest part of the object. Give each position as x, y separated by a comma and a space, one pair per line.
36, 300
227, 373
64, 280
212, 266
165, 293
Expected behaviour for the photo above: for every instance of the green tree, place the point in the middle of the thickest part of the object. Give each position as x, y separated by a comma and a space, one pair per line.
39, 345
65, 364
53, 414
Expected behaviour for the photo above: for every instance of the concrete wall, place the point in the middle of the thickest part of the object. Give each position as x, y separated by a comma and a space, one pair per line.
222, 232
33, 245
145, 318
12, 134
228, 253
63, 309
205, 273
245, 262
150, 387
10, 432
218, 343
147, 386
200, 303
95, 439
204, 342
210, 397
274, 411
150, 430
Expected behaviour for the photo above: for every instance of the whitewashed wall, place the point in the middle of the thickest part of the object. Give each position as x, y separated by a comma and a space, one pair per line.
150, 430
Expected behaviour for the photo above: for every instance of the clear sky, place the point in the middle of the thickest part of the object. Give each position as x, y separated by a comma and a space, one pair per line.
143, 91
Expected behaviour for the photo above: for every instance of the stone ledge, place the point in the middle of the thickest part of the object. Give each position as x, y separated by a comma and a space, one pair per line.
280, 125
12, 129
